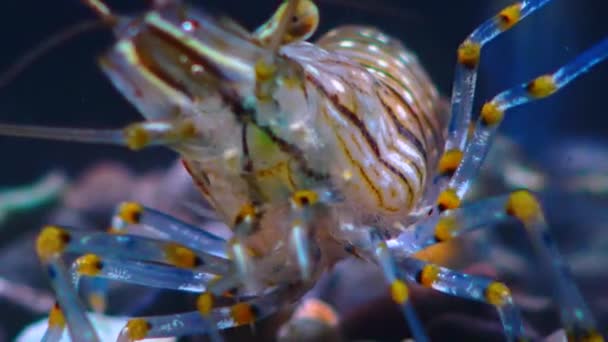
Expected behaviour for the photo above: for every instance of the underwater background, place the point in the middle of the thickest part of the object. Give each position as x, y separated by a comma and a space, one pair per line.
566, 134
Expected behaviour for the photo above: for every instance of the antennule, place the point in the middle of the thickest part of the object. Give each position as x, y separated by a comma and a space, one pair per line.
102, 10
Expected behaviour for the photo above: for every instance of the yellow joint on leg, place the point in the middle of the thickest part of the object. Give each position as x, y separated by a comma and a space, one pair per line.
491, 113
137, 329
524, 206
509, 16
469, 53
89, 265
541, 86
51, 241
136, 136
449, 161
304, 198
181, 256
130, 212
445, 228
448, 199
497, 293
264, 70
242, 313
246, 215
56, 317
204, 303
429, 274
399, 292
184, 129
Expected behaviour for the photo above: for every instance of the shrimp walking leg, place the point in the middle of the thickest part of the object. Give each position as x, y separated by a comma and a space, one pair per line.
524, 207
205, 320
398, 287
469, 287
113, 252
469, 54
493, 112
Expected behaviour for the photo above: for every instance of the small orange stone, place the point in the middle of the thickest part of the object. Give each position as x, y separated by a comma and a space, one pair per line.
242, 313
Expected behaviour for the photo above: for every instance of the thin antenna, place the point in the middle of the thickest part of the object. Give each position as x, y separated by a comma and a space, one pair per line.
378, 7
102, 10
44, 47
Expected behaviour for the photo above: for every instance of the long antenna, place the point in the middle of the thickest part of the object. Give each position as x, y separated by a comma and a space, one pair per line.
34, 54
102, 10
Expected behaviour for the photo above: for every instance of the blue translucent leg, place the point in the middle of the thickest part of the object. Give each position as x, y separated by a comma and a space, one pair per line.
301, 245
469, 53
141, 248
494, 111
79, 326
53, 334
305, 206
522, 206
450, 224
243, 263
93, 136
145, 274
575, 315
135, 136
193, 323
169, 228
467, 287
299, 236
313, 320
399, 290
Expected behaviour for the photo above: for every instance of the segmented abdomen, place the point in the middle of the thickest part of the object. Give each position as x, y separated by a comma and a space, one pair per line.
386, 115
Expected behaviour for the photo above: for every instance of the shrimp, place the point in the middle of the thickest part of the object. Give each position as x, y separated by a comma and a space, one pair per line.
311, 153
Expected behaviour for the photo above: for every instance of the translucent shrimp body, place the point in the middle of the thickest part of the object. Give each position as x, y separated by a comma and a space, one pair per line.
316, 127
